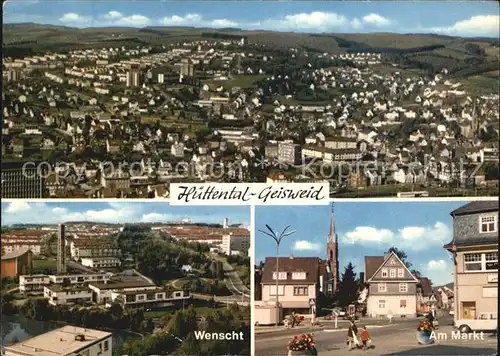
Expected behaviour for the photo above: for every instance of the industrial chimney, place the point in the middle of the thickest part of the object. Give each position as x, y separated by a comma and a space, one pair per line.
61, 249
226, 223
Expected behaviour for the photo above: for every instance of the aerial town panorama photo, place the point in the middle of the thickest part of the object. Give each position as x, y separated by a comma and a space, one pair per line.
379, 99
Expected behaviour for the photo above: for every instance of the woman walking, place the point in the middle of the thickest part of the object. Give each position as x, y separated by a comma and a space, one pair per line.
352, 335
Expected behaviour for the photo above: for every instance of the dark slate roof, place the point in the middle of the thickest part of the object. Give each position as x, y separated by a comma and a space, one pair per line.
476, 207
473, 241
309, 265
372, 263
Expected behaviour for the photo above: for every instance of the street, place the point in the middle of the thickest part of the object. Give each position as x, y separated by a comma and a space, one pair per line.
398, 338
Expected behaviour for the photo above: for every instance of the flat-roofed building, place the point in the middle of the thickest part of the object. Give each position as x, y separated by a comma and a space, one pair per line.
59, 295
33, 284
101, 292
66, 341
156, 297
101, 262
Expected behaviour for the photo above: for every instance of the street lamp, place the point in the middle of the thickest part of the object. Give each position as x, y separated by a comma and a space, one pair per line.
277, 238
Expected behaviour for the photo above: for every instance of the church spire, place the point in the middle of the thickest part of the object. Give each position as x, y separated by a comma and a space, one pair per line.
332, 236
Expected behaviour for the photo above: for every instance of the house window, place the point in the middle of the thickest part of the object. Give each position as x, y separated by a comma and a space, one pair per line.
401, 273
382, 287
381, 304
299, 275
392, 273
282, 275
488, 224
402, 303
106, 345
300, 291
393, 261
272, 290
477, 262
473, 262
385, 273
403, 287
491, 261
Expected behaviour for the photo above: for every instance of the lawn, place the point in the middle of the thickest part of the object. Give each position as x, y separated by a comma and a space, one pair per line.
40, 266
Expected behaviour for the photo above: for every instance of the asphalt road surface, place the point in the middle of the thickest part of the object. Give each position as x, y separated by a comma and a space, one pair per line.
398, 338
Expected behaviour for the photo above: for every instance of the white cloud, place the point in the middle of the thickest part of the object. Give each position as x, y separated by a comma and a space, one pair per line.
116, 18
320, 21
114, 212
356, 24
376, 20
196, 20
436, 265
17, 206
483, 25
413, 237
223, 23
367, 233
113, 15
304, 245
72, 18
189, 19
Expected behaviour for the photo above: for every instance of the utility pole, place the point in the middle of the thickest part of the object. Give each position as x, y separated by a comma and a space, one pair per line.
277, 239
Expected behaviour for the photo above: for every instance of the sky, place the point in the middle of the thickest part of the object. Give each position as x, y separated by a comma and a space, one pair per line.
21, 212
365, 229
465, 18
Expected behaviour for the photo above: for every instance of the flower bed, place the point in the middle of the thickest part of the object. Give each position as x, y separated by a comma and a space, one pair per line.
303, 343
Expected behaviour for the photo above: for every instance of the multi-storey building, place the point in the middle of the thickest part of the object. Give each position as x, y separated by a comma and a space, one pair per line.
288, 152
23, 180
66, 341
392, 288
59, 295
298, 282
475, 252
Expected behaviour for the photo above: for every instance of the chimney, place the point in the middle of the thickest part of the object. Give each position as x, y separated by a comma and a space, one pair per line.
61, 249
226, 223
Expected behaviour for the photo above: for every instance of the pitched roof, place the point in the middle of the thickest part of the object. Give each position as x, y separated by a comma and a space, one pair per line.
372, 263
476, 207
386, 258
16, 254
309, 265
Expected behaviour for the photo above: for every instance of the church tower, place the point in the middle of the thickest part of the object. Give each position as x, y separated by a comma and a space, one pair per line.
333, 254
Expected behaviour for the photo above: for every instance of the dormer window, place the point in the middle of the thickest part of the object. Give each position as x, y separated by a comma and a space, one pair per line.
487, 224
299, 275
282, 275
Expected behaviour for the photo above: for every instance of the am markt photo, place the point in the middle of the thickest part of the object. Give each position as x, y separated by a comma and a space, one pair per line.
388, 278
134, 279
114, 99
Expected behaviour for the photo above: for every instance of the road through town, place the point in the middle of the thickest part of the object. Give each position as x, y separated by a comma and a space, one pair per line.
398, 338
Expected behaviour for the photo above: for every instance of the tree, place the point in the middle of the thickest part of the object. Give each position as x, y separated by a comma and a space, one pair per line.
348, 287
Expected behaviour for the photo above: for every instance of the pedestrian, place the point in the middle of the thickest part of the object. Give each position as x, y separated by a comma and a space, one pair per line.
352, 335
365, 337
293, 319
